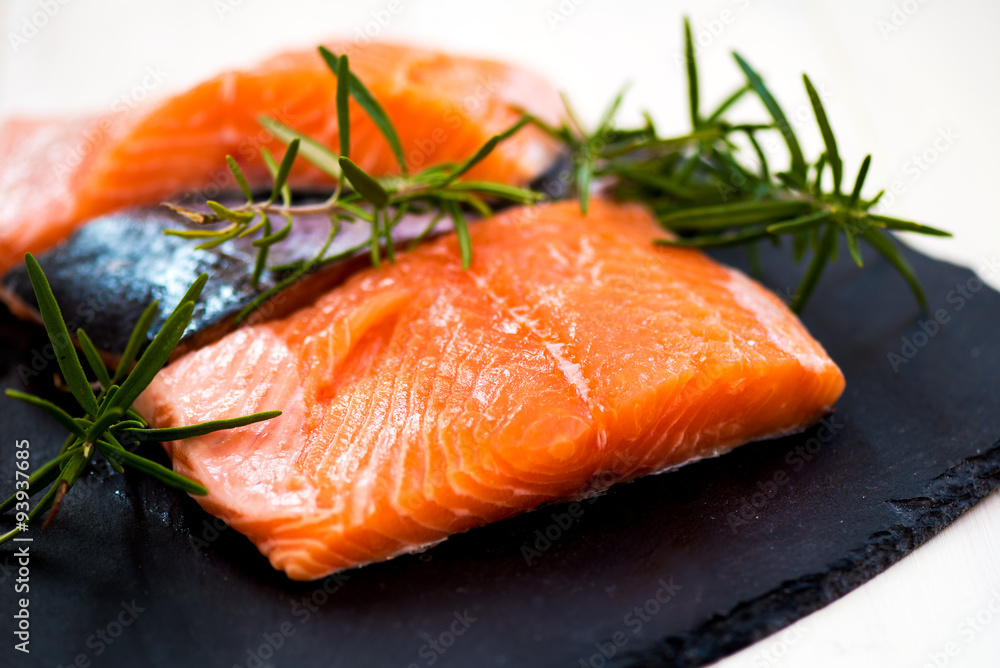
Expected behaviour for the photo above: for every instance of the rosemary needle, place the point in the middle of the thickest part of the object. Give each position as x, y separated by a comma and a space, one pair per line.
702, 189
358, 195
107, 414
699, 185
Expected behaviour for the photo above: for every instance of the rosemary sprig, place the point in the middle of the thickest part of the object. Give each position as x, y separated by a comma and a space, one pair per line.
700, 188
699, 185
108, 414
381, 202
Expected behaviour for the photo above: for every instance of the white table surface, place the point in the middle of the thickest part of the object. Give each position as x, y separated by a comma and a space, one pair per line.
898, 73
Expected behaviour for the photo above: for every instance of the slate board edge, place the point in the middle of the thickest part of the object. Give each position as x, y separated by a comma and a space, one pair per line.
953, 492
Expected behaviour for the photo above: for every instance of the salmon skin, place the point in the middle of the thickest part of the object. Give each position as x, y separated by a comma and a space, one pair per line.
420, 400
60, 173
107, 272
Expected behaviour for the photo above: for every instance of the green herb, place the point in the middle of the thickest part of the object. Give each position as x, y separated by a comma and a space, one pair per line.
368, 102
358, 196
108, 415
367, 186
343, 111
700, 188
699, 185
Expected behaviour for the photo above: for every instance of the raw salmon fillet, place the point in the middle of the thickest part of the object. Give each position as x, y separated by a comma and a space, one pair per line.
421, 400
57, 174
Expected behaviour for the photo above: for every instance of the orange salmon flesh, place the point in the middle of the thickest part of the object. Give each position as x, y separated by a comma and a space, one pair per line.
421, 400
57, 174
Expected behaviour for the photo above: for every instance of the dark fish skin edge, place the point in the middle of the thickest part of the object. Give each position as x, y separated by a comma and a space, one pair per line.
107, 272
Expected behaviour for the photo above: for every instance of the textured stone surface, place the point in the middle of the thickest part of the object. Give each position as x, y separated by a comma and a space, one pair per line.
738, 546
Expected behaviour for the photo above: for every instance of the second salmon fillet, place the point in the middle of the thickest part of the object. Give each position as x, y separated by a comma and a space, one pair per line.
421, 400
58, 174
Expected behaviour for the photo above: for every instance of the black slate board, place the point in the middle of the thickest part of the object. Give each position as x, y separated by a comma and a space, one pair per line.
909, 451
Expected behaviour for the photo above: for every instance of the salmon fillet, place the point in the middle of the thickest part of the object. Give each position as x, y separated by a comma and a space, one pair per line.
58, 174
421, 400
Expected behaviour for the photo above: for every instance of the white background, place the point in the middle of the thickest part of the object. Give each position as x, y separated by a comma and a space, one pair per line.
897, 75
